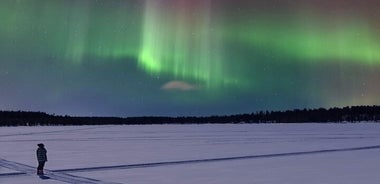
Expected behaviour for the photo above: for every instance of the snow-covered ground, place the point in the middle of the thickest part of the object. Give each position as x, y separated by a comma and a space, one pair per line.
188, 154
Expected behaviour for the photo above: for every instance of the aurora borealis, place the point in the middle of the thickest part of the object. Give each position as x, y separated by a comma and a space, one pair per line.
187, 57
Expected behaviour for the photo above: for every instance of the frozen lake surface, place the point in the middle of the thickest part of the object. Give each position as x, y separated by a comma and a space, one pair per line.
188, 154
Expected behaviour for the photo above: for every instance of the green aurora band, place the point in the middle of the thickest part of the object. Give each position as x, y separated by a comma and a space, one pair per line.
181, 43
193, 41
308, 40
191, 46
186, 45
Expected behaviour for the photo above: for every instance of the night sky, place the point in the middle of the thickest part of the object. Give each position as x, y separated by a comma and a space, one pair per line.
187, 57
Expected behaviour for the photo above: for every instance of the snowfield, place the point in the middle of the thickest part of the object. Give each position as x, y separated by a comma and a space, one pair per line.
189, 154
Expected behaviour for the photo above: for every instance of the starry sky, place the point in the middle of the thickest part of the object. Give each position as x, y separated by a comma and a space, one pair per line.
187, 57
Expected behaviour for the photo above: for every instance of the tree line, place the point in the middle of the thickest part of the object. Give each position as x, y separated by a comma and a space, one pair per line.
320, 115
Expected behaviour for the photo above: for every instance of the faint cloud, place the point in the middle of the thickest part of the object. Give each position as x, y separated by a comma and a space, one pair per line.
179, 85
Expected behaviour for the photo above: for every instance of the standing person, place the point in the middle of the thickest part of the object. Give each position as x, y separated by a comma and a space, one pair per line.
41, 158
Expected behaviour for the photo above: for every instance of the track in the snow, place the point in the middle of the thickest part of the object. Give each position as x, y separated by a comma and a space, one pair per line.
61, 176
68, 178
156, 164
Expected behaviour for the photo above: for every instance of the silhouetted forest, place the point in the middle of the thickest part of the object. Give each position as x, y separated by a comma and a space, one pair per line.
321, 115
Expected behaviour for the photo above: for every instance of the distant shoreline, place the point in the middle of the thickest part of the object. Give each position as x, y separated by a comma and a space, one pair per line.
352, 114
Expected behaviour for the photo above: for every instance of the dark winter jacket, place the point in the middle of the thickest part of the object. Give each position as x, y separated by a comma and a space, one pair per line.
41, 154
